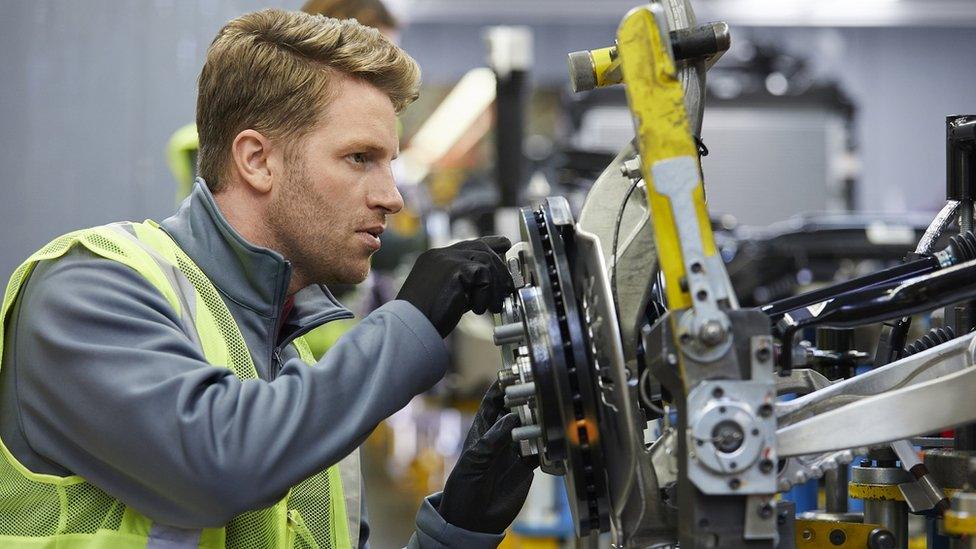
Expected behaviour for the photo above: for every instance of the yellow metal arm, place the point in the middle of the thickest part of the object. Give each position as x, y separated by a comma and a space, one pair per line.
656, 99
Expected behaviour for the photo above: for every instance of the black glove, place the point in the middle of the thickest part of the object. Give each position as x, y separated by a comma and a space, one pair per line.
447, 282
488, 486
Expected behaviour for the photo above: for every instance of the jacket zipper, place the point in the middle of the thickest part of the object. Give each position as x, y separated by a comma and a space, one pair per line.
337, 315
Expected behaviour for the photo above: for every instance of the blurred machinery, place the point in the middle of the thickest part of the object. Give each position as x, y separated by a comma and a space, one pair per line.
677, 417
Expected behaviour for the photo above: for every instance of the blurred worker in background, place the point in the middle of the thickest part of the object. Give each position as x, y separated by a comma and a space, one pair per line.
156, 388
371, 13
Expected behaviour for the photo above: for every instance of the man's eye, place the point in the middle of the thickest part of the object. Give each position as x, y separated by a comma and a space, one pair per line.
359, 158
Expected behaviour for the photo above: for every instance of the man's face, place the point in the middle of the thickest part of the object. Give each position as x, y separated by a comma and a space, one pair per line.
328, 213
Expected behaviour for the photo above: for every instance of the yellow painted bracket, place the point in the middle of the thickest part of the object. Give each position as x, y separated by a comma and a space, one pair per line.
959, 524
656, 100
824, 534
606, 66
879, 492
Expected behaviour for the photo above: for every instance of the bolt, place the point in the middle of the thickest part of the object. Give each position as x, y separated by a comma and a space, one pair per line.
506, 334
881, 539
755, 432
712, 333
520, 391
506, 377
807, 534
717, 392
766, 511
762, 353
735, 484
702, 295
631, 168
696, 267
766, 466
526, 432
837, 536
766, 410
727, 436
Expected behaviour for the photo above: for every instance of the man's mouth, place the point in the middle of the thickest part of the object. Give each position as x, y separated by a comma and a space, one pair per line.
371, 236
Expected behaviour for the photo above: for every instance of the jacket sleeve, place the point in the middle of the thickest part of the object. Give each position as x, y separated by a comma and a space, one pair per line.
433, 532
110, 388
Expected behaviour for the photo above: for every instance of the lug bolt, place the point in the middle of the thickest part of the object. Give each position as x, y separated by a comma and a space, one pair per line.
527, 432
519, 394
508, 333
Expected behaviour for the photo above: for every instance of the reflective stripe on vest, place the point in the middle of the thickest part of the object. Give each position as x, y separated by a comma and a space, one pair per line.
47, 510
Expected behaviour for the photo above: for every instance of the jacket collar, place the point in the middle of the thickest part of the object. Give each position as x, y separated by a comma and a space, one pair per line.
254, 277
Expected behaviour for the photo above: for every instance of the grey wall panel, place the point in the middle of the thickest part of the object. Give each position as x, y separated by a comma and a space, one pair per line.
89, 95
904, 82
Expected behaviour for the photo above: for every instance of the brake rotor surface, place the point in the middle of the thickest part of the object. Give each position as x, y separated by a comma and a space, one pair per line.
566, 391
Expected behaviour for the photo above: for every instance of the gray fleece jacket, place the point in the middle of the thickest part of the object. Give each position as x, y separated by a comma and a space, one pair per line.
99, 380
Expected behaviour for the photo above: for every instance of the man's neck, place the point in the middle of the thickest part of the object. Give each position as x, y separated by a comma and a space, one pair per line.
247, 222
250, 224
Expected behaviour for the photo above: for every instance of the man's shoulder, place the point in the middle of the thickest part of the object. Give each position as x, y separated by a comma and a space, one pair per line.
81, 274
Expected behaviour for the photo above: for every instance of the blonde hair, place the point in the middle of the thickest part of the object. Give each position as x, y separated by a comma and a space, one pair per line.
270, 71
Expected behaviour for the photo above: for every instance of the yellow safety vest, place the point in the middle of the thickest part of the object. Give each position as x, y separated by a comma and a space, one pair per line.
38, 510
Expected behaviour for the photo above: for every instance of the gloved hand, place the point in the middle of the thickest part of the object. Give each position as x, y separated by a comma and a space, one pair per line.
447, 282
487, 487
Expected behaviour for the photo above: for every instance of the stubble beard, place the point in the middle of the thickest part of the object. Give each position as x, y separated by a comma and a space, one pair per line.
299, 219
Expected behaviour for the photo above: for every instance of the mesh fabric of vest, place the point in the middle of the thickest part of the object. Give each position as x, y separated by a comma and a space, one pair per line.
32, 508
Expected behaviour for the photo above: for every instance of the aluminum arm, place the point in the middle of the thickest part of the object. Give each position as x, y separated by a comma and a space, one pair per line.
914, 406
934, 363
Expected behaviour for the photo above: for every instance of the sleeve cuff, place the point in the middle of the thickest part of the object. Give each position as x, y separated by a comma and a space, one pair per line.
433, 532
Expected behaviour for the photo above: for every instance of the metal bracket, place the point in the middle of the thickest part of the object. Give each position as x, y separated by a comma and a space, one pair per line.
730, 437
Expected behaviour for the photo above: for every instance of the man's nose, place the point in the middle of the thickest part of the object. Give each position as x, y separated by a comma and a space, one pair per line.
386, 196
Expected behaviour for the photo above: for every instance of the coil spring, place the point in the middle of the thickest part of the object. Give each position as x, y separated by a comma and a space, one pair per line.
963, 246
935, 336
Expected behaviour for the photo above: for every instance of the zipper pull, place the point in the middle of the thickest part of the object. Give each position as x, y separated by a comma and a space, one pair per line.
277, 361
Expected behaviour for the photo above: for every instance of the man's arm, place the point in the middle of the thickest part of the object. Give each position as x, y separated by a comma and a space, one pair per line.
433, 532
110, 388
485, 490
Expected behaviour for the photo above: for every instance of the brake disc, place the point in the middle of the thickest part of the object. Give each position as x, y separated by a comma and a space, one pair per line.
549, 368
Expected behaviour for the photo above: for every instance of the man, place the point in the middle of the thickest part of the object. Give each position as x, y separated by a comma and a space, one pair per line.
155, 388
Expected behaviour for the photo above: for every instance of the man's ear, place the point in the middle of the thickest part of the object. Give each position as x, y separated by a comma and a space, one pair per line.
252, 157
